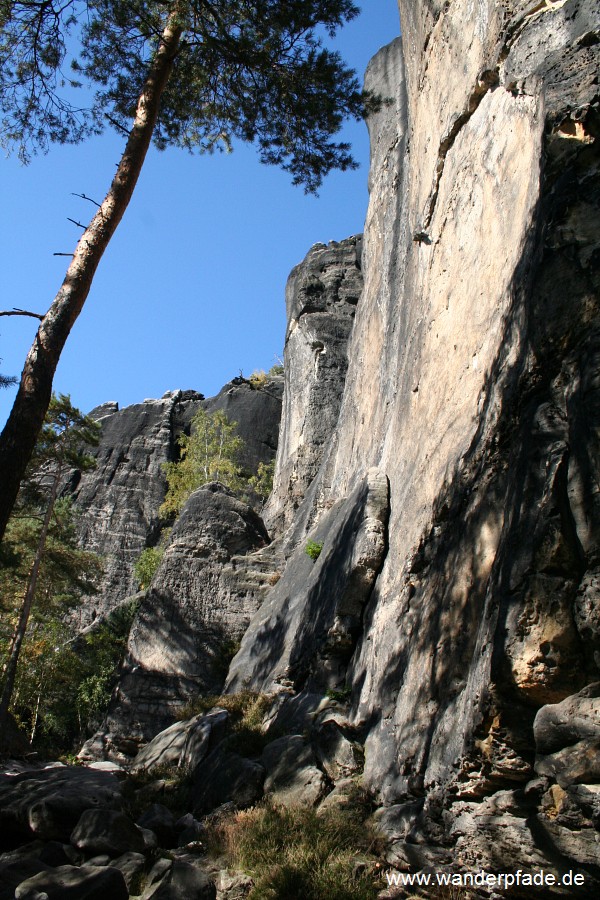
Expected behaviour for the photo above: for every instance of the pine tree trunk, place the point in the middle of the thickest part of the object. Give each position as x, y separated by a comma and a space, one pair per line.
20, 433
15, 650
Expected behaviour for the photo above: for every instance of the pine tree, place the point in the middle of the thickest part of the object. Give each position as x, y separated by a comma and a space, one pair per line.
197, 74
41, 551
7, 380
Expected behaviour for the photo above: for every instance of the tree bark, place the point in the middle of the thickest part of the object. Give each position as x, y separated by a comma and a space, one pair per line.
20, 433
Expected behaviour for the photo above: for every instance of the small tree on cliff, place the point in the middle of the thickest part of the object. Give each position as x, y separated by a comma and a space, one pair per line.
190, 73
209, 453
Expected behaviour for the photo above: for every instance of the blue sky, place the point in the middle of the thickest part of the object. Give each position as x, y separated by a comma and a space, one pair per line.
191, 290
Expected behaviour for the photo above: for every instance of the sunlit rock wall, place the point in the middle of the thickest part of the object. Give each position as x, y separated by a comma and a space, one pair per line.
473, 387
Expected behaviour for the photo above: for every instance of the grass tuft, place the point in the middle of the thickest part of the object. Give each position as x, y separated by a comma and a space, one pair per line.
247, 712
298, 853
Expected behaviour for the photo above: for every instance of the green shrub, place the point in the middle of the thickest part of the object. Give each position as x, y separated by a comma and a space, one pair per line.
262, 482
341, 696
209, 453
146, 565
313, 549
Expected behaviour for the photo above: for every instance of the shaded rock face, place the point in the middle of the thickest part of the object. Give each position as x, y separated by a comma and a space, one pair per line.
321, 297
119, 499
473, 386
198, 607
304, 634
452, 613
257, 412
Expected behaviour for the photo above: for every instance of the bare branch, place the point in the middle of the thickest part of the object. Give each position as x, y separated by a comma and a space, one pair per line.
21, 312
83, 197
116, 124
79, 225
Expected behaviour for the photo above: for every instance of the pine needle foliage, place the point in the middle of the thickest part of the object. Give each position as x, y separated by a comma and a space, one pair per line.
196, 74
252, 70
43, 576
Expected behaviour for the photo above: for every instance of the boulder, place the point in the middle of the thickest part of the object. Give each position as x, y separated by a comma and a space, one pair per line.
227, 777
233, 885
49, 802
75, 883
19, 868
132, 865
338, 755
160, 820
292, 774
183, 881
395, 823
577, 764
107, 831
183, 744
572, 720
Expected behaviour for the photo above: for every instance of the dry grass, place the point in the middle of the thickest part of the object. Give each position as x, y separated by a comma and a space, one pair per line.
247, 712
296, 853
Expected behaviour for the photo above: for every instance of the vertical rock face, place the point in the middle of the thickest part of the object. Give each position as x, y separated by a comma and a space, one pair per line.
257, 412
321, 297
473, 386
454, 486
119, 499
199, 605
488, 322
304, 634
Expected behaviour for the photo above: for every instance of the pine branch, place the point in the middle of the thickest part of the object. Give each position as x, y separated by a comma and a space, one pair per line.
15, 311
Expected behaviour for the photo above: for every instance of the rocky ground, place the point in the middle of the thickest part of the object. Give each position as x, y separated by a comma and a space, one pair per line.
101, 830
148, 829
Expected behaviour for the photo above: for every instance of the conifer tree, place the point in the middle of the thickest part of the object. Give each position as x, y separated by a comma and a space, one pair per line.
44, 523
197, 74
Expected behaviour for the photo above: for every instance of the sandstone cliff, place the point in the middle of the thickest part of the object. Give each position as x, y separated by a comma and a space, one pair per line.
321, 297
118, 500
446, 458
472, 387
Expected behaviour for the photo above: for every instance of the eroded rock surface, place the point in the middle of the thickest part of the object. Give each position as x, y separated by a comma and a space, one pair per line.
321, 297
449, 626
472, 385
189, 621
119, 499
305, 632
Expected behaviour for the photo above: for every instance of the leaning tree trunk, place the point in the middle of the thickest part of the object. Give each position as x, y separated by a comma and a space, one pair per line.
31, 403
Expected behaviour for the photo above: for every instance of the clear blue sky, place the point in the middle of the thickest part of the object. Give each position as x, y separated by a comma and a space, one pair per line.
191, 290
